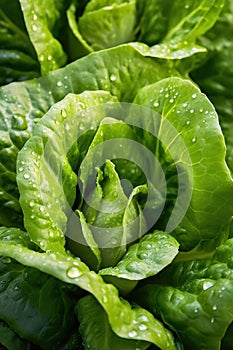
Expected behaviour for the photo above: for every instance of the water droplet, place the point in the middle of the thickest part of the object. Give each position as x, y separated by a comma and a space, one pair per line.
194, 95
113, 77
49, 59
206, 112
212, 320
171, 100
194, 139
214, 307
63, 113
6, 260
16, 288
51, 234
167, 95
113, 241
41, 209
59, 83
185, 104
74, 272
34, 28
31, 204
186, 6
35, 17
132, 334
149, 246
142, 327
191, 111
196, 311
42, 244
207, 285
32, 217
156, 104
201, 110
188, 122
26, 176
21, 169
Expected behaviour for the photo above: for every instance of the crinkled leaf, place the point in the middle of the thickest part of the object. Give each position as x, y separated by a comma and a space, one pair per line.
195, 298
197, 135
124, 320
96, 331
144, 259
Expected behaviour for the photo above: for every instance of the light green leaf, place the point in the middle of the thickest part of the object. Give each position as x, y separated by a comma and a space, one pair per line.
108, 24
189, 123
44, 20
43, 169
124, 320
144, 259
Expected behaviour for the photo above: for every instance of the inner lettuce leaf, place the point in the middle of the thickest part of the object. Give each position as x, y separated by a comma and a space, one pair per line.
23, 104
194, 298
125, 321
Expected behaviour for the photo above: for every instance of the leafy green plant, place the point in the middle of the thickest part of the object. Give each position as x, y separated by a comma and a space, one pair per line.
115, 194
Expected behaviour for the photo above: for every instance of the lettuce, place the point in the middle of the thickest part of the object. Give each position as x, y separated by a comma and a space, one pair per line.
115, 176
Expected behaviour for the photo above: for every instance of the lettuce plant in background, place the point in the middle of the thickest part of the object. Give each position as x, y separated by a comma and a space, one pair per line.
116, 188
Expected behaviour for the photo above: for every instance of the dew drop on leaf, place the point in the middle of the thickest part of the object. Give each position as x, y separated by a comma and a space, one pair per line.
132, 334
74, 272
26, 176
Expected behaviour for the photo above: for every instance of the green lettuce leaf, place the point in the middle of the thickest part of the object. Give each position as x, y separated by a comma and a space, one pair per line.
44, 21
179, 26
10, 339
194, 298
105, 24
28, 294
96, 331
18, 60
215, 74
125, 321
182, 105
146, 258
23, 104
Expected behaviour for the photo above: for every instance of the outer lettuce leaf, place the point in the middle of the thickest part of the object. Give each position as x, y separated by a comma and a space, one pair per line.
17, 56
23, 104
125, 321
96, 331
28, 294
185, 108
10, 339
44, 21
195, 298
